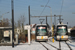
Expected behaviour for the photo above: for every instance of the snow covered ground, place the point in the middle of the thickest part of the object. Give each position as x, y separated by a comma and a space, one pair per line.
37, 46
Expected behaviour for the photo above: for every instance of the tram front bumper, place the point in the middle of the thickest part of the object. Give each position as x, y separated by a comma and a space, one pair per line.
42, 40
64, 37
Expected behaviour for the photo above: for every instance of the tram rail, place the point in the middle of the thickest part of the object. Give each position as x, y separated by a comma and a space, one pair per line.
44, 46
54, 46
68, 45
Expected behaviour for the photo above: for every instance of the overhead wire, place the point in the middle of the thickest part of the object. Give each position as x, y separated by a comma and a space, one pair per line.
44, 8
20, 5
61, 7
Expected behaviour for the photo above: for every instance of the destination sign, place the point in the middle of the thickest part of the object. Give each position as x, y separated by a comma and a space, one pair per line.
41, 27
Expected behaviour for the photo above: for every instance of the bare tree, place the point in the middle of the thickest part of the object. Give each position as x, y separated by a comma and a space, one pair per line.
20, 22
5, 23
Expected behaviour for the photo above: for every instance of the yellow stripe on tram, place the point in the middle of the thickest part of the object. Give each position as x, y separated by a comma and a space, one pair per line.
62, 37
42, 37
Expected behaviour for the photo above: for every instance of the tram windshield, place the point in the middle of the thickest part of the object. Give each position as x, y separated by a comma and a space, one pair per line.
41, 31
61, 30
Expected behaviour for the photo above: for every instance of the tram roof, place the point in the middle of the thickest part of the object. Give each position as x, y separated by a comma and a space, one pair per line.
61, 24
42, 24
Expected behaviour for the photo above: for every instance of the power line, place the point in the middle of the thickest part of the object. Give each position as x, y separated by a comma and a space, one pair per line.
61, 7
44, 8
61, 12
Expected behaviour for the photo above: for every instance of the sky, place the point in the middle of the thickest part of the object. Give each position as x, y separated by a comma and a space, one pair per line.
21, 9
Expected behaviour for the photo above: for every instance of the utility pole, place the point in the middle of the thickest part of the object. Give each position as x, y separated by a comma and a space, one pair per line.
54, 24
55, 20
60, 19
12, 23
46, 19
29, 14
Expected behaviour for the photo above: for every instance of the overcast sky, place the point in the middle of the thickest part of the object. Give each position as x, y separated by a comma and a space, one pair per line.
21, 8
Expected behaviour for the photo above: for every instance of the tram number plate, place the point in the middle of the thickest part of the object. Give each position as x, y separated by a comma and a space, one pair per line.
62, 37
42, 37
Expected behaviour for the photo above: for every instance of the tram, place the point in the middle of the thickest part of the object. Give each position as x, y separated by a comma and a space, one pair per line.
61, 32
41, 33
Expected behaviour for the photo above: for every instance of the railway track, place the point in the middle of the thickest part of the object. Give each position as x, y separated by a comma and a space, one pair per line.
59, 46
54, 46
48, 44
68, 45
44, 46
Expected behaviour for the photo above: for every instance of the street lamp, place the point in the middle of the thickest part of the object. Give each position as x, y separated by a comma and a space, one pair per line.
2, 17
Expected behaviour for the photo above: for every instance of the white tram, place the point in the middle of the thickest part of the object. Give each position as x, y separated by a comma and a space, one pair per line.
41, 32
61, 32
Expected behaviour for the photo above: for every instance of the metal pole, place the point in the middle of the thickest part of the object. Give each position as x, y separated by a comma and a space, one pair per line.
60, 19
55, 21
12, 23
46, 19
2, 20
29, 36
51, 18
29, 14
